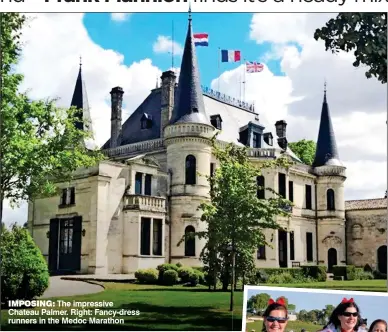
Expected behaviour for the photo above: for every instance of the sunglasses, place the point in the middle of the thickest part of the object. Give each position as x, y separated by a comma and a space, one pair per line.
348, 314
280, 320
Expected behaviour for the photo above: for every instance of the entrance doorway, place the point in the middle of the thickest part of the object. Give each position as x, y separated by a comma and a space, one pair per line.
382, 259
331, 259
283, 261
65, 245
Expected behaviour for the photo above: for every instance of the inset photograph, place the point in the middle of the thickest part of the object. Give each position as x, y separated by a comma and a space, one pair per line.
279, 309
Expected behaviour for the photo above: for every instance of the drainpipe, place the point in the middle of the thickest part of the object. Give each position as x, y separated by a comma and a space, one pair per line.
169, 216
316, 220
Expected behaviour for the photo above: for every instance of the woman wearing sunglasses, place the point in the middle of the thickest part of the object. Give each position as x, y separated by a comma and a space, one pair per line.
275, 316
345, 318
379, 325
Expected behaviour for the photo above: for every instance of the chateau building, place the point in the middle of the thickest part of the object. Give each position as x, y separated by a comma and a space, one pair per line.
131, 210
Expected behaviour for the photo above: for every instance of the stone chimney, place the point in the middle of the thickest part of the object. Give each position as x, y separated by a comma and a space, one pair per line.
281, 133
167, 101
116, 116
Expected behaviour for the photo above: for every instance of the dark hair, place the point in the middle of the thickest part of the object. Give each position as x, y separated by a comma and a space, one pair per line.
376, 322
341, 308
272, 307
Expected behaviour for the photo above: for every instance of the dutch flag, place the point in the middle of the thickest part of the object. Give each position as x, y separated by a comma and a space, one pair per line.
230, 56
201, 39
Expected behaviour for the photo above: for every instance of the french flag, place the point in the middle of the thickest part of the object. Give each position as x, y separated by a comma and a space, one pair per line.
201, 39
230, 56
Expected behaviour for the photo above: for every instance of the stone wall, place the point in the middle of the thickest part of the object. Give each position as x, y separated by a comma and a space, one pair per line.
366, 231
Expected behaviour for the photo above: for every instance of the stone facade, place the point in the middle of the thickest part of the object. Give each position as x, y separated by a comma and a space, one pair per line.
131, 211
366, 232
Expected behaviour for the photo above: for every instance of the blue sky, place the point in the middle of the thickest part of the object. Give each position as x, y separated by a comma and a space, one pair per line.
371, 307
134, 38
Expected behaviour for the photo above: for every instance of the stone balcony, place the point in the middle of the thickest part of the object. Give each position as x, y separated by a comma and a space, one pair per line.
145, 203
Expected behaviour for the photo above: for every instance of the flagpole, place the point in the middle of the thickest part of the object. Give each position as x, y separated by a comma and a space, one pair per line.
172, 46
219, 67
245, 76
241, 82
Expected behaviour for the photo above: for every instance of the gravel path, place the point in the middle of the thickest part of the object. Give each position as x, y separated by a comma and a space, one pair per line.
59, 287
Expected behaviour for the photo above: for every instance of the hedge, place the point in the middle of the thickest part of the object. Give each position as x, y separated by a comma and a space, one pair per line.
348, 272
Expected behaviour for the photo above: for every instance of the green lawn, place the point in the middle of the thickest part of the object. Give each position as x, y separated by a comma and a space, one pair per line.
178, 308
291, 325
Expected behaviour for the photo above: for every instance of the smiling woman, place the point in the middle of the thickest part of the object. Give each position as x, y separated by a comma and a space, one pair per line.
345, 317
275, 316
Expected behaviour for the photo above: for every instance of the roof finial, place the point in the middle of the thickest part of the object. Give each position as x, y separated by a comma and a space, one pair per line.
189, 10
324, 90
80, 61
157, 81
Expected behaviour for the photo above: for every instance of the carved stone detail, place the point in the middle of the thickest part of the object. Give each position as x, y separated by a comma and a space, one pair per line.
332, 240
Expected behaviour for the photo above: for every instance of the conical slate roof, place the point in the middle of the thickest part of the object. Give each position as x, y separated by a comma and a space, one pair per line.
189, 106
327, 152
80, 101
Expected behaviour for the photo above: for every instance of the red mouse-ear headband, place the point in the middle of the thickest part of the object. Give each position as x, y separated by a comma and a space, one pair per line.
345, 300
279, 301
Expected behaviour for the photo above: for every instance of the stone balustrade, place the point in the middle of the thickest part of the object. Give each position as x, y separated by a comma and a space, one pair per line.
140, 147
145, 203
186, 129
261, 153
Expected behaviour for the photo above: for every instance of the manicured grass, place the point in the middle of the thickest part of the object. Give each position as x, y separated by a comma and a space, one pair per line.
161, 308
291, 325
178, 308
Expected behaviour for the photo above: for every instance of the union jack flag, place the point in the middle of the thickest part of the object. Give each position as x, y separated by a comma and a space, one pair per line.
254, 67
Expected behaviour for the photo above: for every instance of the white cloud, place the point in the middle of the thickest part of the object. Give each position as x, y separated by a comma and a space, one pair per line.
357, 104
164, 44
119, 17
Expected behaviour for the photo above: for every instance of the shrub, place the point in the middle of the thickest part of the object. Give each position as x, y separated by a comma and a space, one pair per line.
193, 278
350, 272
283, 278
147, 276
339, 271
338, 278
261, 276
366, 276
170, 277
367, 268
201, 277
184, 273
379, 275
316, 272
198, 268
24, 271
179, 264
165, 267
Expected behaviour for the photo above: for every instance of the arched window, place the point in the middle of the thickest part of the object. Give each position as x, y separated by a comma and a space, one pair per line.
330, 200
189, 241
191, 169
260, 183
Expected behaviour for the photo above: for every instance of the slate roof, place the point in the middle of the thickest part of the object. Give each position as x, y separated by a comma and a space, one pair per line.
233, 118
366, 204
327, 152
189, 105
80, 101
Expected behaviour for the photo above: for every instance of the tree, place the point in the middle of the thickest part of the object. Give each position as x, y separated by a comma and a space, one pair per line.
39, 143
236, 217
365, 33
305, 150
258, 302
24, 272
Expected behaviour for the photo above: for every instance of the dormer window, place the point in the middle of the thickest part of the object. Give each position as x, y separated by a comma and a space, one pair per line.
146, 121
256, 142
216, 121
268, 138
